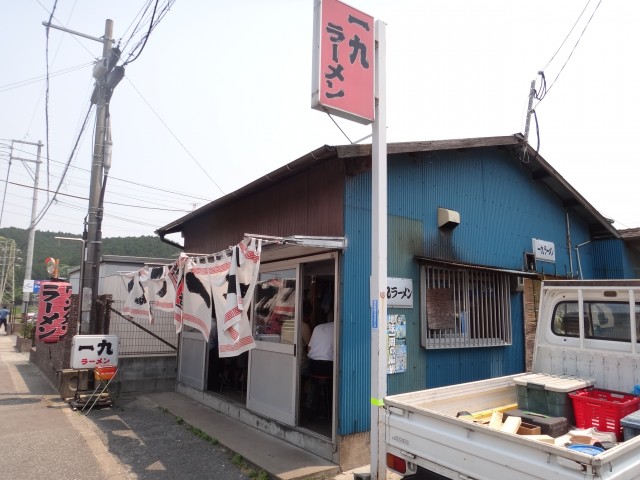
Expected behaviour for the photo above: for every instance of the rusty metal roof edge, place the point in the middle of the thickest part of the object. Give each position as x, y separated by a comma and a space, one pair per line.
357, 150
630, 234
341, 151
473, 266
307, 160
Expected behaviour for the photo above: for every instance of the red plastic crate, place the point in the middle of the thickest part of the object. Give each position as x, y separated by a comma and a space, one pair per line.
603, 409
104, 373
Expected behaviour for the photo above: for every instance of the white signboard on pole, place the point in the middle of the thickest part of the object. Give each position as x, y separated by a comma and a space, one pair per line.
91, 351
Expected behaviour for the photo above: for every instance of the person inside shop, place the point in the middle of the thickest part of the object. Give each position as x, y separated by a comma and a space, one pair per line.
320, 358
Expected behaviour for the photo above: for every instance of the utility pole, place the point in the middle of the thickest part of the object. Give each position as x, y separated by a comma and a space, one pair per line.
7, 280
532, 93
102, 92
32, 226
94, 234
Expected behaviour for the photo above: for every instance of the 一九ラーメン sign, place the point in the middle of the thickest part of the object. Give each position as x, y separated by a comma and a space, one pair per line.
343, 61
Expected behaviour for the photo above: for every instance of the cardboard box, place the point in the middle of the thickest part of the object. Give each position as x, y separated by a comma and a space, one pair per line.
552, 426
529, 429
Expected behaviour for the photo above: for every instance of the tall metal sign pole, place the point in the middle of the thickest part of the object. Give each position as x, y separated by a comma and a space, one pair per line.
379, 261
349, 81
91, 263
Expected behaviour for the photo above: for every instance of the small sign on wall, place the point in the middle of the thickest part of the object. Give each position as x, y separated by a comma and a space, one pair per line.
544, 251
399, 292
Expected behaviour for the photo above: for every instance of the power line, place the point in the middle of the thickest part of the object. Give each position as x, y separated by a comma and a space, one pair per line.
157, 15
156, 18
154, 188
57, 193
544, 88
128, 200
541, 92
40, 78
175, 136
574, 47
144, 40
568, 34
73, 151
142, 13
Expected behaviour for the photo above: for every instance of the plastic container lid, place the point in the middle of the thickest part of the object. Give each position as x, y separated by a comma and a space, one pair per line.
566, 385
525, 379
554, 383
587, 449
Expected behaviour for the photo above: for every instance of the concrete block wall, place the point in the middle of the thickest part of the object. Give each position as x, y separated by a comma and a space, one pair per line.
145, 374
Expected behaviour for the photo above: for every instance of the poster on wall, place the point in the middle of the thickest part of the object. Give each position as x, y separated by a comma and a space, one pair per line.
396, 344
53, 311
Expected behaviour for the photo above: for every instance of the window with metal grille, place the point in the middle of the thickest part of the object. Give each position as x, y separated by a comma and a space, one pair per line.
464, 308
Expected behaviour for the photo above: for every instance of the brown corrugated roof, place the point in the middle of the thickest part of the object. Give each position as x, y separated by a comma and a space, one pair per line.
630, 234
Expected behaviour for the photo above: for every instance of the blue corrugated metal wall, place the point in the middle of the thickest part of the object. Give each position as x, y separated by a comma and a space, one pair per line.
501, 210
609, 260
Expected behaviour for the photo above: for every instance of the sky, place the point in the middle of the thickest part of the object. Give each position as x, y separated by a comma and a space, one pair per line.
220, 95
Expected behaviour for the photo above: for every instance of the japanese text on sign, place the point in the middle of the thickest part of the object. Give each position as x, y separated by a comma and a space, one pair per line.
90, 351
544, 251
343, 62
53, 311
399, 292
396, 344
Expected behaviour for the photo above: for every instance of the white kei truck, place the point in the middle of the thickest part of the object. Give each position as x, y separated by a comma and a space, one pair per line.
587, 337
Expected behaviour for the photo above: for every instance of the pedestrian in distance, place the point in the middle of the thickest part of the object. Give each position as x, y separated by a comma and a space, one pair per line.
4, 315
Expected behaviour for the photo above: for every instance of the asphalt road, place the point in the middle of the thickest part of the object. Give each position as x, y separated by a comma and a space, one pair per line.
153, 444
42, 438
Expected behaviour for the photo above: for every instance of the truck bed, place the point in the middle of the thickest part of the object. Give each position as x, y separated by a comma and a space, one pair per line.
422, 428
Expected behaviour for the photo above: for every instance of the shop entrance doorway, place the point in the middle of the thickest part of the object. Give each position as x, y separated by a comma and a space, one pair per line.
274, 379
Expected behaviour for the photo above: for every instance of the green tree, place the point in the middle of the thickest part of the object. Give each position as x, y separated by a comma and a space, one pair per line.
69, 253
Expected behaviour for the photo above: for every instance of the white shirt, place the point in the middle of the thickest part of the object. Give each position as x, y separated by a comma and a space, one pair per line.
321, 343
